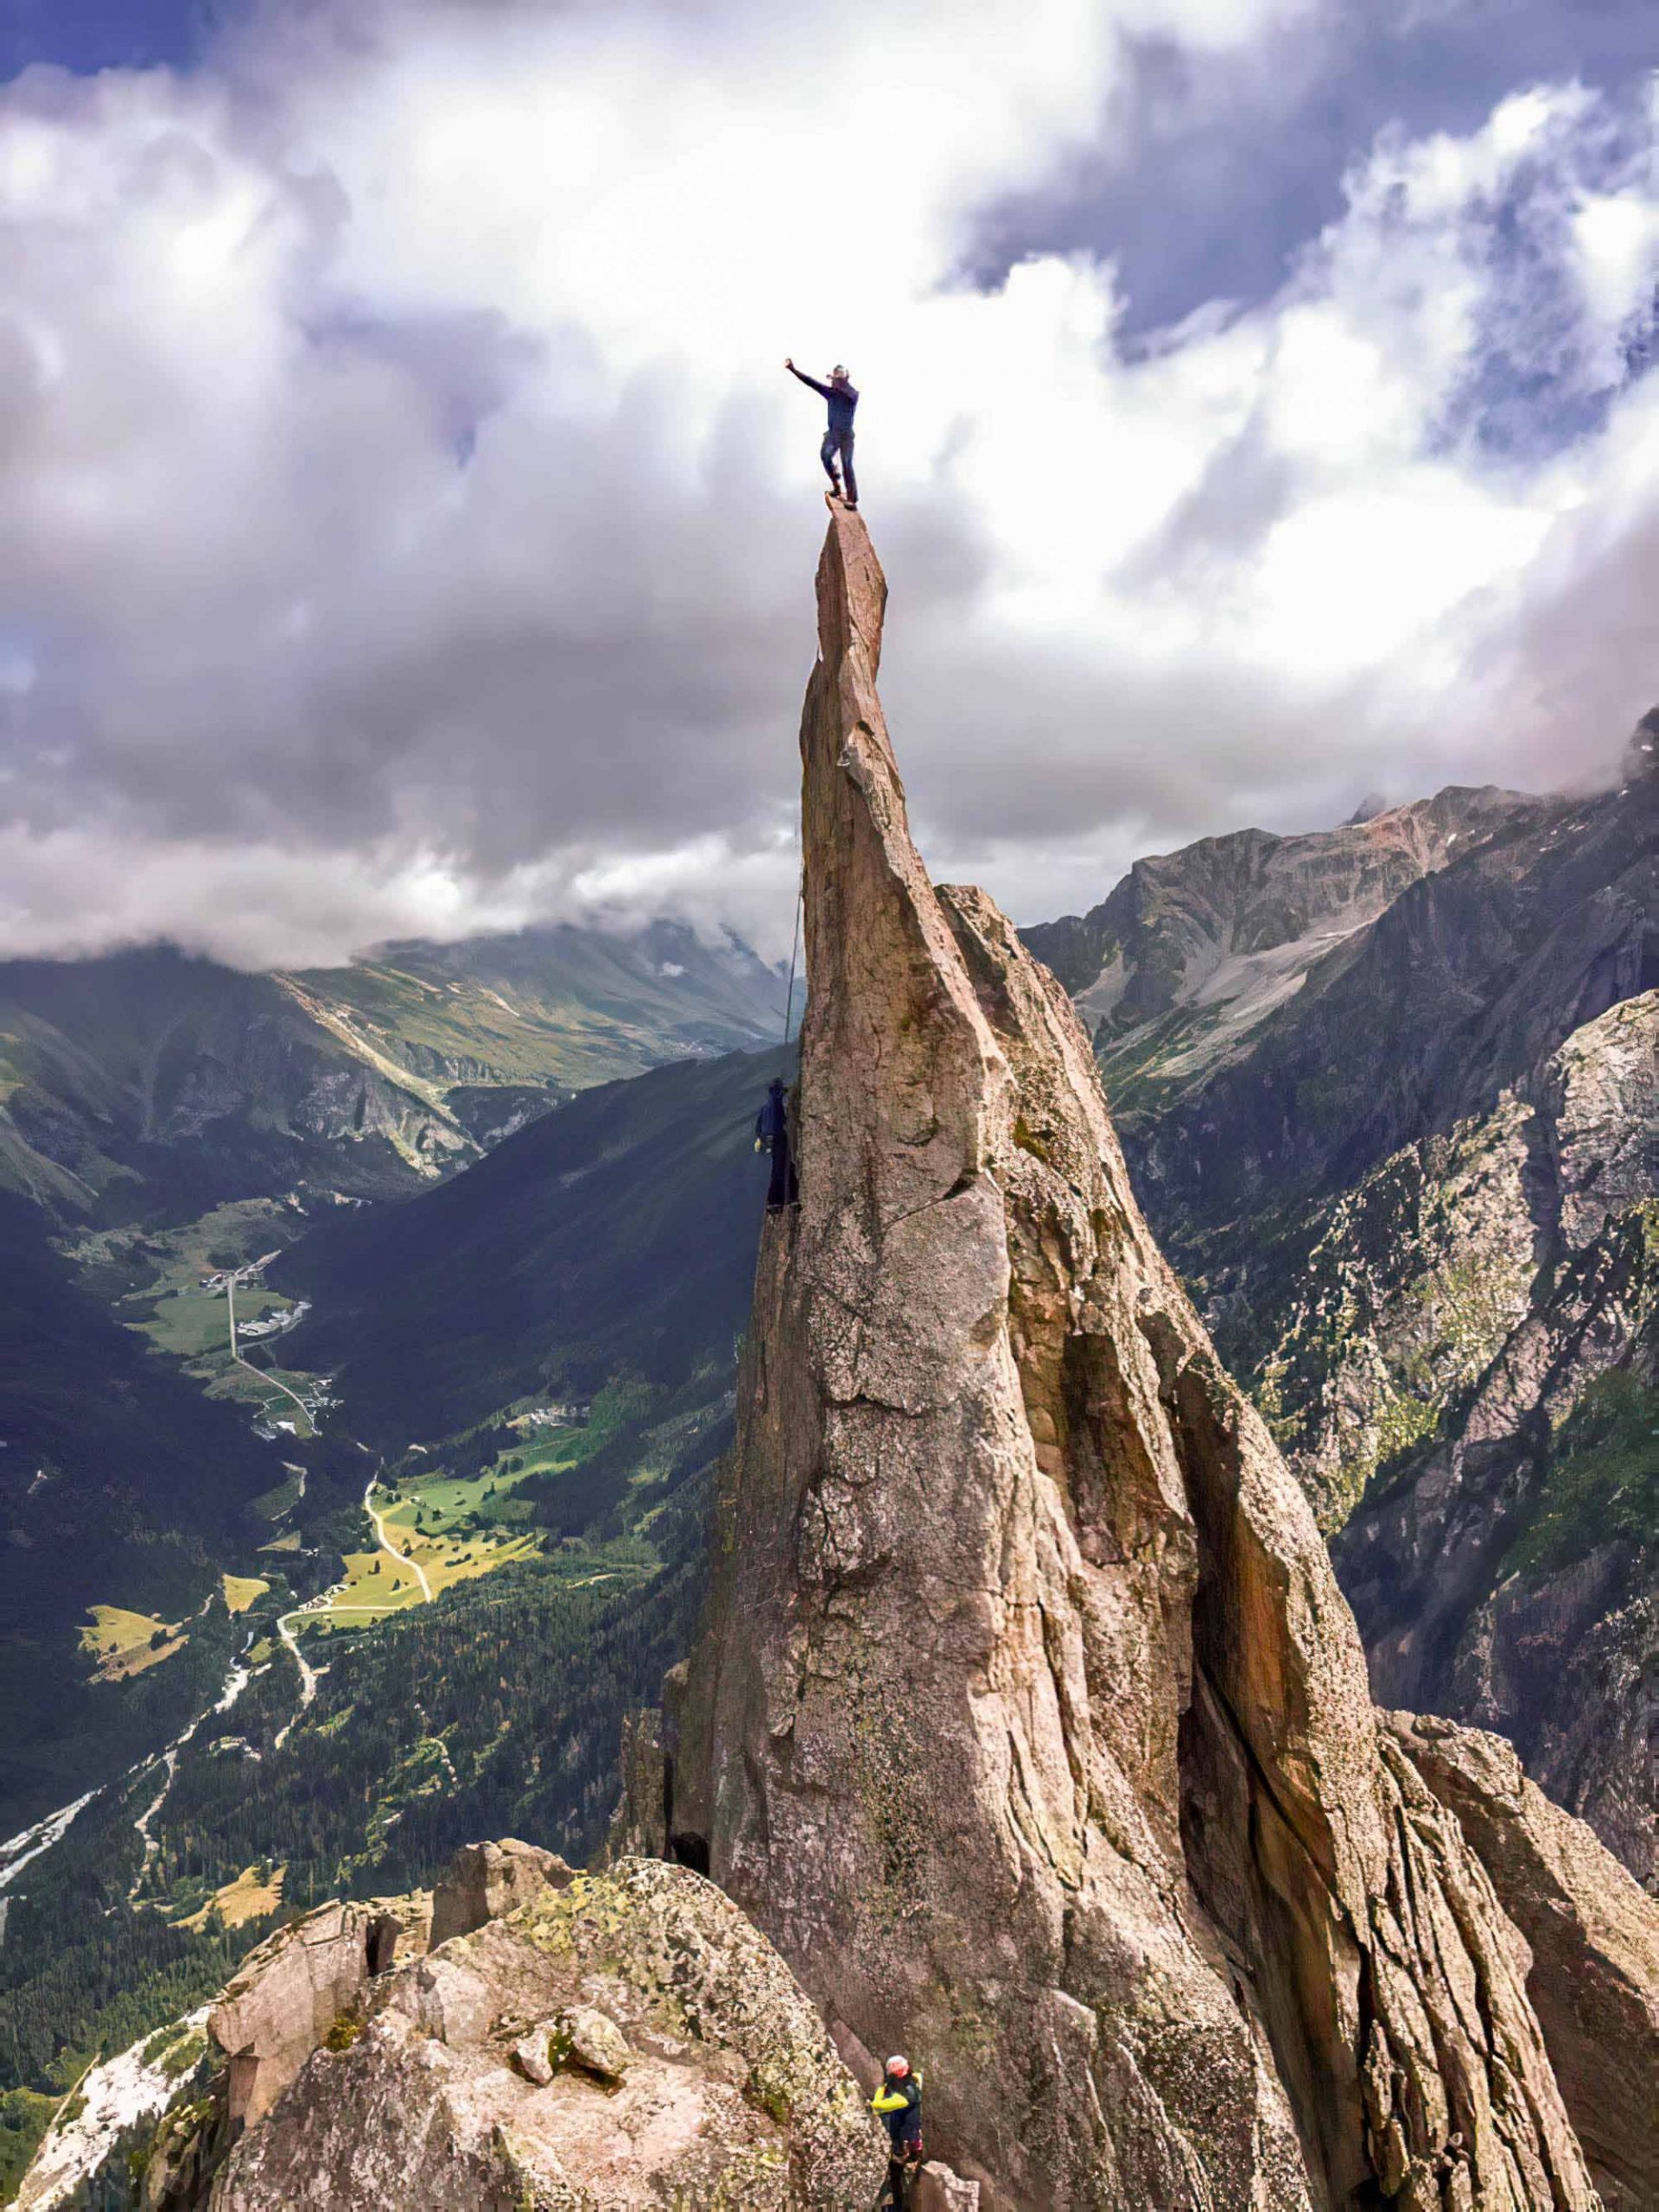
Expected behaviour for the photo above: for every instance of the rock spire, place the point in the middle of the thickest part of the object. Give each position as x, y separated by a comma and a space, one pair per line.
1026, 1717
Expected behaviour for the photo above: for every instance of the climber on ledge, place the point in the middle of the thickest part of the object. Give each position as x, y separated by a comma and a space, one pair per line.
838, 438
897, 2103
772, 1134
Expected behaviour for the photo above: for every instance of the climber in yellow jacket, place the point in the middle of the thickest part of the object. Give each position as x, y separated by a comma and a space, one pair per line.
898, 2105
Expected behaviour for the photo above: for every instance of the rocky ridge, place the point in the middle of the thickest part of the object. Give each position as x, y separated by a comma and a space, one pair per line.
1193, 948
1027, 1719
573, 2044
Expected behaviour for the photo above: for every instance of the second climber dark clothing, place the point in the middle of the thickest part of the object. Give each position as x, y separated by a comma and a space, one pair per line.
783, 1189
772, 1127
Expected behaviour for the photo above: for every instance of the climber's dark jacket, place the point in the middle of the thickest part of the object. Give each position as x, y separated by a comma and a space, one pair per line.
904, 2122
841, 397
771, 1130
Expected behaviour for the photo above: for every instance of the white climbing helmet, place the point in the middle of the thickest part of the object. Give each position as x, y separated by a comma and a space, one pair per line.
899, 2065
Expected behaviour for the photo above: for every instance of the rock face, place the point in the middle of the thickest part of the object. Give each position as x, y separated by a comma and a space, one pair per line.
1027, 1719
1594, 1936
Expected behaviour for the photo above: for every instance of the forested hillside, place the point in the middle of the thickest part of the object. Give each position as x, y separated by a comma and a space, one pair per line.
616, 1235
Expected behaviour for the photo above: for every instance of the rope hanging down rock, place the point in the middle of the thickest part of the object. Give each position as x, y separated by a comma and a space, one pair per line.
794, 951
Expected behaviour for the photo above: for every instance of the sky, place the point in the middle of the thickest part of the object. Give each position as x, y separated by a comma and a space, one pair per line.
410, 525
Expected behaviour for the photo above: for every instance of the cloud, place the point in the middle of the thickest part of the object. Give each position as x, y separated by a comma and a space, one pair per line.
410, 524
1221, 165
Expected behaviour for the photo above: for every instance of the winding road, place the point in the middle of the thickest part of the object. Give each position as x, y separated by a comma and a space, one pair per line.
260, 1372
324, 1603
404, 1557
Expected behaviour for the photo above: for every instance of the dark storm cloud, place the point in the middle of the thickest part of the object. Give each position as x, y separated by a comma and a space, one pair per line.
1222, 166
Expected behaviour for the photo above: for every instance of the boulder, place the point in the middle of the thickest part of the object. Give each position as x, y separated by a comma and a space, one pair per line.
533, 2054
591, 2040
483, 1880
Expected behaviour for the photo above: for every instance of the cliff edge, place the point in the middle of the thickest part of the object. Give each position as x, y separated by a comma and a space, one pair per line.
1026, 1717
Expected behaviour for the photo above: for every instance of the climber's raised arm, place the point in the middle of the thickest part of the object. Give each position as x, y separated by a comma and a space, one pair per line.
822, 390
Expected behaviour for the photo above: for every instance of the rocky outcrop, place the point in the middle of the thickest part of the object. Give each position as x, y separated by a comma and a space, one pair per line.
1594, 1938
678, 2064
936, 2188
638, 1830
1027, 1719
605, 2044
484, 1881
288, 1995
146, 2130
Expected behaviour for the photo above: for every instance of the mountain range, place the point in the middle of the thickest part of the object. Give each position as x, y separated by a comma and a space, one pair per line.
1173, 972
1388, 1095
146, 1083
1419, 1207
1008, 1692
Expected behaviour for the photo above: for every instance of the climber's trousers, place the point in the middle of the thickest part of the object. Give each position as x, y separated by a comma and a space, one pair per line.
840, 441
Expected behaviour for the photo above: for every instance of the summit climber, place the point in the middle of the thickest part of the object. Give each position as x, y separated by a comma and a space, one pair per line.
898, 2105
838, 438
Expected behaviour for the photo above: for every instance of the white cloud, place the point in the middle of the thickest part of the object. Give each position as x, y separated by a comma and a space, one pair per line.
410, 527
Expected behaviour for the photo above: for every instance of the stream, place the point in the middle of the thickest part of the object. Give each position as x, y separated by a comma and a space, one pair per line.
22, 1849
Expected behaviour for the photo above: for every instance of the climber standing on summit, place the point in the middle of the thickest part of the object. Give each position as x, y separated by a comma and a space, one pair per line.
838, 438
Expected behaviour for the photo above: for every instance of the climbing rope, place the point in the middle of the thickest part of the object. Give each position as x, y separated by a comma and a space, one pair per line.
795, 946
